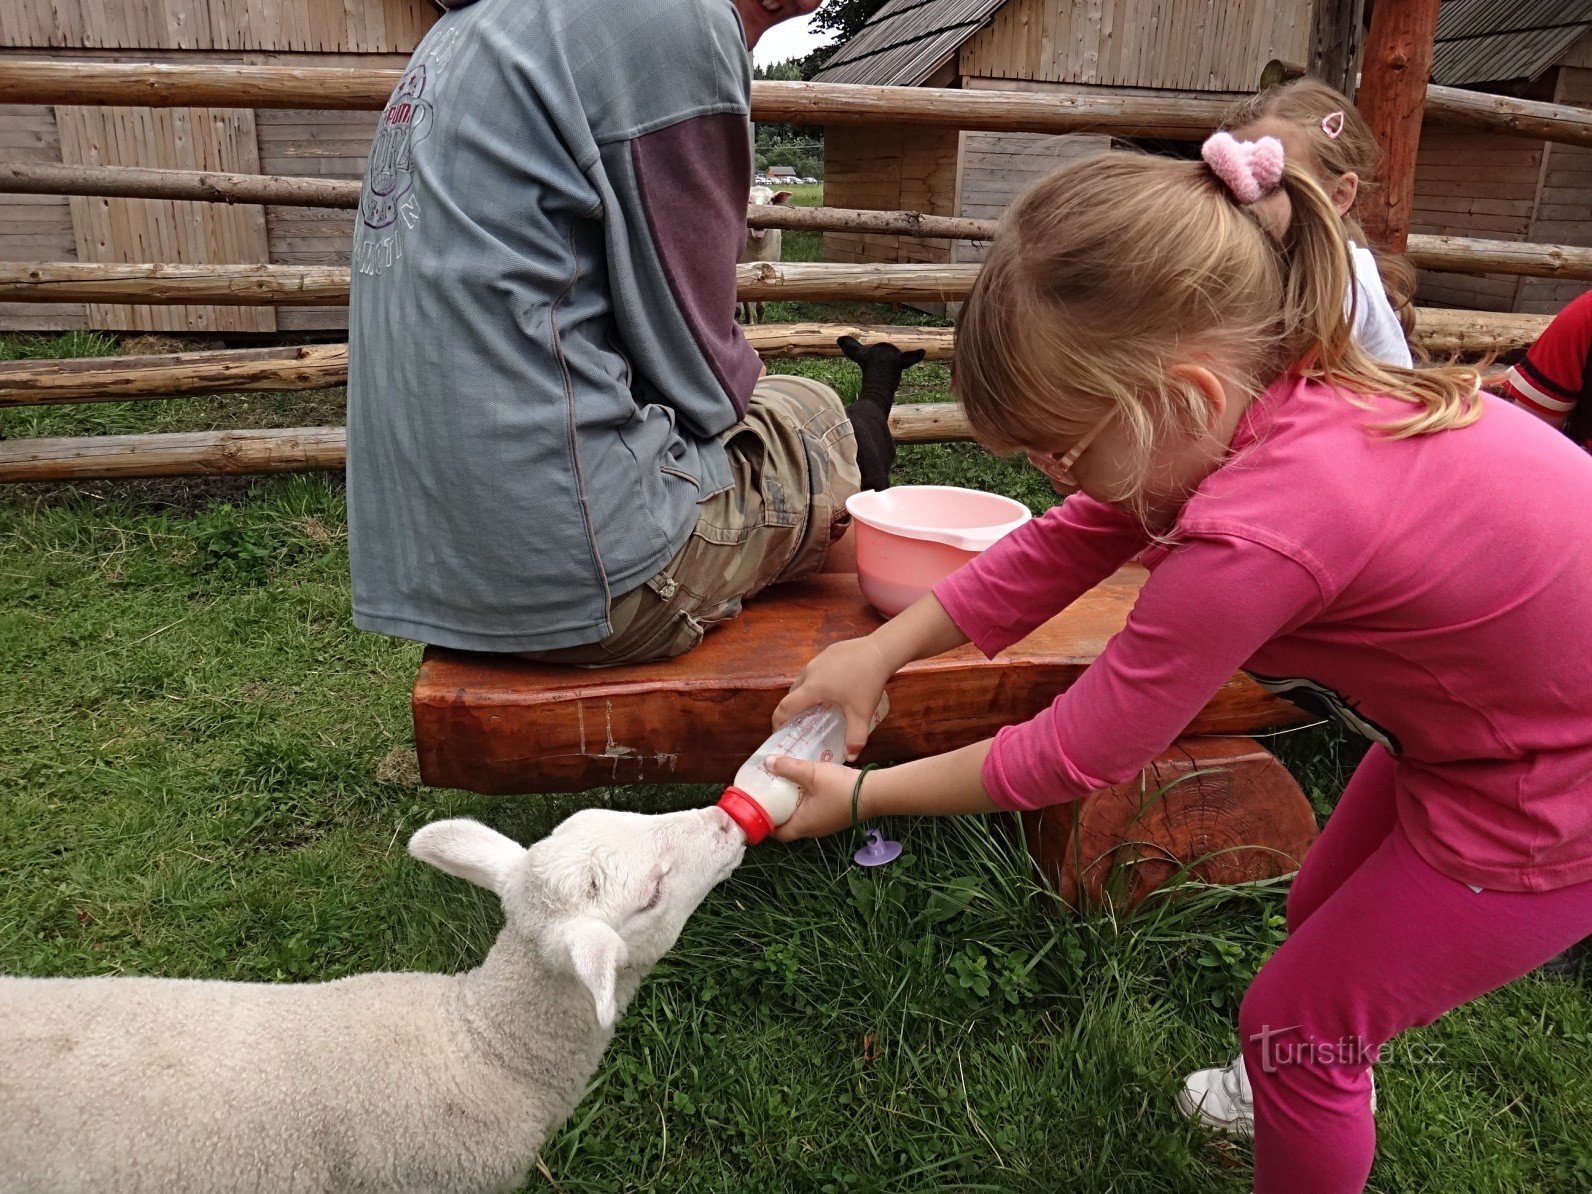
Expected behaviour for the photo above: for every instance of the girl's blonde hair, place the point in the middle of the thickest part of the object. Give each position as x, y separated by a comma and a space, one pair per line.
1306, 104
1115, 268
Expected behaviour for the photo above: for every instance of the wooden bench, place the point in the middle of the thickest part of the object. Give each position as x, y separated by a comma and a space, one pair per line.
504, 726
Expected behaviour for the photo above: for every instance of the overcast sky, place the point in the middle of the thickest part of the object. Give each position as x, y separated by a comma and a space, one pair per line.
789, 39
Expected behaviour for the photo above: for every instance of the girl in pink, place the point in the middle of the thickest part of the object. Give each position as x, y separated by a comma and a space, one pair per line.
1382, 543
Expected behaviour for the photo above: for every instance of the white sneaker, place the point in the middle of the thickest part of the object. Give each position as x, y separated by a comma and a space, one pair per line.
1222, 1100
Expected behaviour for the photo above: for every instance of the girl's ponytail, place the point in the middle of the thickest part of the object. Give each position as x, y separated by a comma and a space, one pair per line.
1317, 273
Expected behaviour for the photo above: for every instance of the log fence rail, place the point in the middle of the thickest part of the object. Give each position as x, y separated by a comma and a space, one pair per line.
1451, 254
189, 85
1440, 332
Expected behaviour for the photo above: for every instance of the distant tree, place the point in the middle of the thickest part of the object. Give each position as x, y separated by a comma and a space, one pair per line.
799, 157
771, 135
787, 71
842, 18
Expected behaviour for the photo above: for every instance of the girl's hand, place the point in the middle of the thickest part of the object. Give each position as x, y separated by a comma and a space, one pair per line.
825, 804
850, 675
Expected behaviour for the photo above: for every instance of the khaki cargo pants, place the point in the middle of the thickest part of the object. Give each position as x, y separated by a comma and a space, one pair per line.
794, 463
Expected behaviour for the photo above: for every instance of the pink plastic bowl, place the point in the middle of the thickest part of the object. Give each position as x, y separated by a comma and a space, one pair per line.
911, 537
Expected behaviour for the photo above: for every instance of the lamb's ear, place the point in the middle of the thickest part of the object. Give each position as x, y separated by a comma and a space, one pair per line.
781, 197
852, 347
596, 953
908, 359
469, 850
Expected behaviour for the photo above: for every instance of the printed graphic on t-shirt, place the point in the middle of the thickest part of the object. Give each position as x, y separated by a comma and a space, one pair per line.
387, 206
389, 179
1324, 702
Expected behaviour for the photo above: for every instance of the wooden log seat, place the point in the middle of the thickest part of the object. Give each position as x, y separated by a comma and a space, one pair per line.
504, 726
1220, 810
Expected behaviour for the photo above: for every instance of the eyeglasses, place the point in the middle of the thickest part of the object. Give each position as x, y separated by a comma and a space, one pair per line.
1058, 467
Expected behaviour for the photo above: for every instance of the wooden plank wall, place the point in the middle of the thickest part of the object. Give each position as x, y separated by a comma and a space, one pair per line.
133, 230
324, 144
1200, 45
997, 167
1563, 214
889, 168
35, 227
320, 145
1470, 184
317, 26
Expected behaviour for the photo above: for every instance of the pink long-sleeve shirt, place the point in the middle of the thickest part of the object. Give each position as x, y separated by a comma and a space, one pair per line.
1434, 592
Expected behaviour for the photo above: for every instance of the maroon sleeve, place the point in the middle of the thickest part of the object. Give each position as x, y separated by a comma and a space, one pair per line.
693, 179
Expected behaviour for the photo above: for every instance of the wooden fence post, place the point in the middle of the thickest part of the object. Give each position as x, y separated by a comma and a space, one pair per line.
1395, 68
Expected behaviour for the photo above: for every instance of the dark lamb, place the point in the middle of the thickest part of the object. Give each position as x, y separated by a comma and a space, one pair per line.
882, 366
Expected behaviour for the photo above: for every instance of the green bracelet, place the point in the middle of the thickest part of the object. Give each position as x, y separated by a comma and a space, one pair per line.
856, 791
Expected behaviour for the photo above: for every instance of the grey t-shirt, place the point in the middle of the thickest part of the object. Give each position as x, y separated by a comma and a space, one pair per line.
542, 334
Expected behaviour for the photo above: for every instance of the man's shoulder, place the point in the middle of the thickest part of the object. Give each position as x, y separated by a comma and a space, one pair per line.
646, 65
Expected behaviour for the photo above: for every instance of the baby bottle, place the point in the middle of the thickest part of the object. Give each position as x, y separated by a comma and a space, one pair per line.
759, 800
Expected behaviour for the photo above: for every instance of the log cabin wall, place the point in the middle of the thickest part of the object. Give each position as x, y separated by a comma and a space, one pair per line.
1474, 184
310, 33
1467, 184
1179, 45
35, 227
1506, 188
995, 168
1207, 46
1563, 212
889, 168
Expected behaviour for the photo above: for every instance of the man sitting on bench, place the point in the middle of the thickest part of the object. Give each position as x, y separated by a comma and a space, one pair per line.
559, 444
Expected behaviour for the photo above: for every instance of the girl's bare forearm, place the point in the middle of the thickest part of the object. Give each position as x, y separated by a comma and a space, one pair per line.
921, 630
943, 785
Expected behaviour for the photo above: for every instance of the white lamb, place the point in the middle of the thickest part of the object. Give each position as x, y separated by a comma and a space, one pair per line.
762, 244
389, 1082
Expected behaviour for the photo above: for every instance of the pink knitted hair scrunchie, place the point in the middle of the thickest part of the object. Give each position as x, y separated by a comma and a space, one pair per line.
1251, 169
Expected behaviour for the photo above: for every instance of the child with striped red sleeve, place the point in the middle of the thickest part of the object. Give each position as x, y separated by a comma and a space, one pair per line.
1554, 382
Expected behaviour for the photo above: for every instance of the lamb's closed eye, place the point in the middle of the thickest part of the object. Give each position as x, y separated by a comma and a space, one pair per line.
654, 894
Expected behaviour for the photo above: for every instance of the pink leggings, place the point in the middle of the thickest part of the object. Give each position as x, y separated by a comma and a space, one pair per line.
1378, 942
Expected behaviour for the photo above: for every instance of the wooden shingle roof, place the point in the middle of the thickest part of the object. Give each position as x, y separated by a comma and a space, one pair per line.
906, 41
1491, 41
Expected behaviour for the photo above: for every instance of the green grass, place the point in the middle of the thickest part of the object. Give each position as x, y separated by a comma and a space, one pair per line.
207, 773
